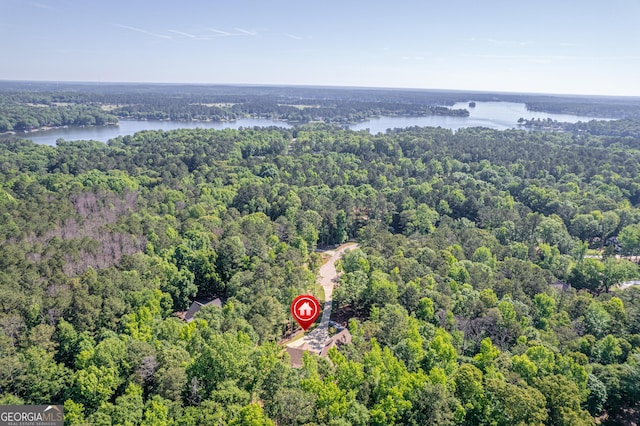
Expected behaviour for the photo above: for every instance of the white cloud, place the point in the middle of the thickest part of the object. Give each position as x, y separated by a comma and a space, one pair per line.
219, 32
247, 32
183, 33
143, 31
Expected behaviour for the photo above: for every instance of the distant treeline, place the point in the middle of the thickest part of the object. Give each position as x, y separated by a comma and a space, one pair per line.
623, 132
303, 112
16, 117
25, 111
26, 106
618, 108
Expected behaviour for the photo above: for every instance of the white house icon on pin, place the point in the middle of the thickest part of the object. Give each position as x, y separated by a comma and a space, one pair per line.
305, 310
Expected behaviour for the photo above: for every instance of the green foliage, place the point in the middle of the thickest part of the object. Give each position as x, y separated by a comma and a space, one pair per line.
93, 385
488, 298
41, 378
469, 389
488, 353
597, 395
426, 310
27, 117
515, 405
453, 298
224, 357
597, 319
607, 350
630, 239
251, 415
563, 401
421, 220
544, 306
484, 255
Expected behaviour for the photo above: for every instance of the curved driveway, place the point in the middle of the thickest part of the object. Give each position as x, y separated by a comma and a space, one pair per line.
327, 277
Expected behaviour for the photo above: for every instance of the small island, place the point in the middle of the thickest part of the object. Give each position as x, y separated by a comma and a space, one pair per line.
472, 104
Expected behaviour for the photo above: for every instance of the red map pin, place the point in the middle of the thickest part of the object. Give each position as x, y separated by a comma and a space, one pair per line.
305, 309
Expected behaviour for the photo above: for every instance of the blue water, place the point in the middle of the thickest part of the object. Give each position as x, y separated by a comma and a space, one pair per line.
129, 127
495, 115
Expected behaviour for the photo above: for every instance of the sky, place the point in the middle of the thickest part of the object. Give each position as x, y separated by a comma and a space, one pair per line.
562, 46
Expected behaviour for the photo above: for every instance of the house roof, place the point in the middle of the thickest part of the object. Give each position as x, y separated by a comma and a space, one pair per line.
338, 339
296, 353
561, 286
295, 356
196, 306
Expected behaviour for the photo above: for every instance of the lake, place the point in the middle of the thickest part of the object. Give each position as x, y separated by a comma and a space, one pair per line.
495, 115
129, 127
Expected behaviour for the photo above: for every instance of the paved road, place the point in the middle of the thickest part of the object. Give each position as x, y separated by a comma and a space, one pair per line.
628, 284
316, 340
635, 259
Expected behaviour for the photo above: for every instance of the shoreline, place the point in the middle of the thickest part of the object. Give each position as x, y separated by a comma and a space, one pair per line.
48, 128
232, 120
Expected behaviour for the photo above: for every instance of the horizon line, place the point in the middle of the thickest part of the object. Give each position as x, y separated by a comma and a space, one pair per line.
323, 86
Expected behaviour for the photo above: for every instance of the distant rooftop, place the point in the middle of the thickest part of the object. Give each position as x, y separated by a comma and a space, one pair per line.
196, 306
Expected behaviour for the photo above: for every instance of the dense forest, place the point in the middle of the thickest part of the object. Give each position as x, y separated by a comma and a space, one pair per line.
17, 117
485, 290
629, 129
